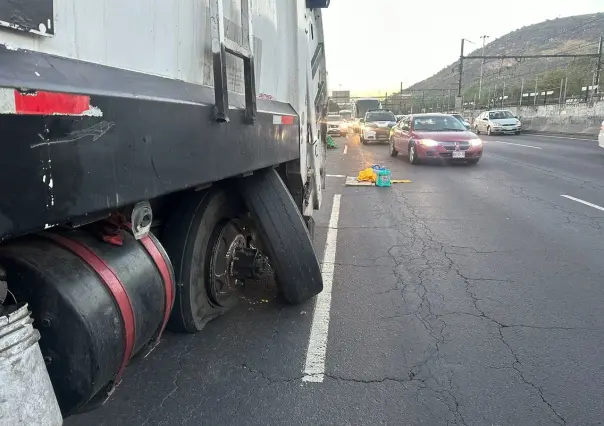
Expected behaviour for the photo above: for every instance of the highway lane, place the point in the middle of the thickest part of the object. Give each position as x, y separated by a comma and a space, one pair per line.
471, 296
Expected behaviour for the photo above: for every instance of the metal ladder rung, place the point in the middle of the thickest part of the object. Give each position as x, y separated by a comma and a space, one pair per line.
220, 47
237, 50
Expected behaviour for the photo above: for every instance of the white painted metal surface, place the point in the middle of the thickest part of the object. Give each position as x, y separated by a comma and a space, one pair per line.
26, 394
172, 39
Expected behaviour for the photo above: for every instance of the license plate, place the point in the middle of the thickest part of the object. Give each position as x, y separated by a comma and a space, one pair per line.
459, 154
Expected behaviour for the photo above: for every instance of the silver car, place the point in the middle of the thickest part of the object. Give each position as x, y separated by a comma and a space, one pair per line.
497, 121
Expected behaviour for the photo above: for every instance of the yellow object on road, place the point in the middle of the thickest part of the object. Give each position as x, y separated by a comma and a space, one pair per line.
400, 181
367, 175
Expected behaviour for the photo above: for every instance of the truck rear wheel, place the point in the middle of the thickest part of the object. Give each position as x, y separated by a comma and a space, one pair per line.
284, 235
200, 238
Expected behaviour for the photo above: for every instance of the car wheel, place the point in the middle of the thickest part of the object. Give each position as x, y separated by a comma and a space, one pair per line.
363, 140
489, 131
476, 130
393, 151
473, 162
413, 158
517, 133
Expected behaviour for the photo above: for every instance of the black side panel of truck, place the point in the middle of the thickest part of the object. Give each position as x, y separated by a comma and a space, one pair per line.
150, 136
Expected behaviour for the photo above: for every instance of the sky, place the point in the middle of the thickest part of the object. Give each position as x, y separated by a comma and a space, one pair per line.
373, 46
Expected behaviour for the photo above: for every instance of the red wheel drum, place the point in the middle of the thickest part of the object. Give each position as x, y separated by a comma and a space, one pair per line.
95, 304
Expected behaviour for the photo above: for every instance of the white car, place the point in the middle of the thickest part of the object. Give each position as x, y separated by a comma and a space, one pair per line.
497, 121
334, 125
601, 136
376, 126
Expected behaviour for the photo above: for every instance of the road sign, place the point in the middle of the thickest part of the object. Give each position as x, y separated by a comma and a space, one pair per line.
341, 96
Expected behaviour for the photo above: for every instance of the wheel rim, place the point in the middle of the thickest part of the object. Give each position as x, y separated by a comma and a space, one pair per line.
223, 289
412, 154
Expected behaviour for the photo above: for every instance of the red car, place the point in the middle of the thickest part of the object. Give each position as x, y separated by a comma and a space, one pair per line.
424, 137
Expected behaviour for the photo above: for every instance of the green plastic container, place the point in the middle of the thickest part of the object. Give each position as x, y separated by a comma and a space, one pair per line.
383, 177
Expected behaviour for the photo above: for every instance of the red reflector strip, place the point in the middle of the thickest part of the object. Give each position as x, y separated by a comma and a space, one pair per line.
115, 287
283, 119
46, 103
287, 119
166, 274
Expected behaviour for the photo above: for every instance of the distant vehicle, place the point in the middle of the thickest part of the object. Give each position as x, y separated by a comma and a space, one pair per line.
424, 137
497, 121
334, 123
376, 126
463, 120
356, 125
346, 114
361, 106
601, 136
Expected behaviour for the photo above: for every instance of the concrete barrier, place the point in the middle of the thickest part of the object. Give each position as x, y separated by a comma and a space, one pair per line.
577, 119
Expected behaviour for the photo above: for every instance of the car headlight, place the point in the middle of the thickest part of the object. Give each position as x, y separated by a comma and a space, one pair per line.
428, 142
476, 142
518, 123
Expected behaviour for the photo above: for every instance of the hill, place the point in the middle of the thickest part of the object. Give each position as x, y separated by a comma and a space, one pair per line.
574, 34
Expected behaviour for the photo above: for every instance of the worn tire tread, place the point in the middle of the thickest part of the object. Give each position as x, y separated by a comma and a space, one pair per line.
284, 235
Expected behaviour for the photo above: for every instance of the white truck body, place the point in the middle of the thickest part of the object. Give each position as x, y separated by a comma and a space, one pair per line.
172, 39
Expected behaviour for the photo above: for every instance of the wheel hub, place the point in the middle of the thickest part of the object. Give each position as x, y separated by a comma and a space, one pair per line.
234, 259
223, 287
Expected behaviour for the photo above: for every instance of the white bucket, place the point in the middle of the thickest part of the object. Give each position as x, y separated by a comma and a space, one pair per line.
26, 394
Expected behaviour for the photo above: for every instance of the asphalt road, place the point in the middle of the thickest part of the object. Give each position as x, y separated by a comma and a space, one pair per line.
473, 295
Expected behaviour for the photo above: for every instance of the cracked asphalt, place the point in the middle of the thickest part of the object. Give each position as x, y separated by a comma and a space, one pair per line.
472, 296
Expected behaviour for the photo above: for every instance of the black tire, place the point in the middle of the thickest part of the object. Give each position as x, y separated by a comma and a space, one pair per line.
363, 140
393, 151
517, 133
489, 131
284, 235
473, 161
187, 237
476, 130
413, 158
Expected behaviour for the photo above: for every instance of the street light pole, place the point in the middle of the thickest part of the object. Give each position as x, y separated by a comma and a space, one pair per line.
484, 39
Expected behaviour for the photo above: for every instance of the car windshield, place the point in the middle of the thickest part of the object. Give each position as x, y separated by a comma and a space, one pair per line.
497, 115
459, 117
334, 118
437, 124
380, 116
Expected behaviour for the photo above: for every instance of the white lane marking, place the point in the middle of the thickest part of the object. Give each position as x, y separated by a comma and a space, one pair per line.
563, 137
587, 203
336, 176
517, 144
314, 369
345, 149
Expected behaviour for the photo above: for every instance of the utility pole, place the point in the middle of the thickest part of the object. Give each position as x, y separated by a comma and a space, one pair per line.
560, 97
521, 90
535, 103
598, 66
503, 94
460, 68
484, 38
565, 86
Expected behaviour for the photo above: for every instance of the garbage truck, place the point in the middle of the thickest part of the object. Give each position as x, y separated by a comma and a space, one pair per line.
158, 158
